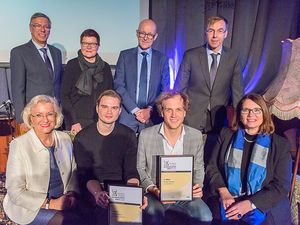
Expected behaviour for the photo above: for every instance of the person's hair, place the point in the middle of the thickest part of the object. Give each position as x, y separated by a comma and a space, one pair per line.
39, 14
90, 33
213, 19
267, 126
42, 99
110, 93
170, 94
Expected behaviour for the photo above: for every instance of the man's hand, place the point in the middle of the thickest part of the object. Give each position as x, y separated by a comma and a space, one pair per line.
76, 128
197, 191
143, 115
101, 199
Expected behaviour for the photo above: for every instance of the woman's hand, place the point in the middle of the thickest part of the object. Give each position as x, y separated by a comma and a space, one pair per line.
238, 210
226, 198
76, 128
102, 199
145, 203
61, 203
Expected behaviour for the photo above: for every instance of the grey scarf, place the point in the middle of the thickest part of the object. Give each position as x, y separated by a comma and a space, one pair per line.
91, 75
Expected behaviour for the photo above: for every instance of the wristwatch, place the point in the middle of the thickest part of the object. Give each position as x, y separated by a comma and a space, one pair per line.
47, 203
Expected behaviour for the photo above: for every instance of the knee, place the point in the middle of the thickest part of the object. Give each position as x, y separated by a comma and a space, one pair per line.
200, 211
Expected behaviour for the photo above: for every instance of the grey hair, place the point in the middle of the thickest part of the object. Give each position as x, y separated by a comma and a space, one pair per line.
39, 14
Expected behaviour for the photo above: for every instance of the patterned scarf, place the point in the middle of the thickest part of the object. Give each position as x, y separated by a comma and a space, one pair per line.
257, 166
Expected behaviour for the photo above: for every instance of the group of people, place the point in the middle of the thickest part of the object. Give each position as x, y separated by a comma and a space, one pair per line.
123, 123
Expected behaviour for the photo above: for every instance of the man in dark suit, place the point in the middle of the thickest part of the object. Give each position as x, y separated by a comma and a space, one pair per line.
211, 76
36, 67
142, 73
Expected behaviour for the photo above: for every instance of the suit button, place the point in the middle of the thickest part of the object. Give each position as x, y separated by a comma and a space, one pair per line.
62, 173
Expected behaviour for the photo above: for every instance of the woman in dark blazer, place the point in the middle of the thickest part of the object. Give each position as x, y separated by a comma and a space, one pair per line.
249, 172
85, 78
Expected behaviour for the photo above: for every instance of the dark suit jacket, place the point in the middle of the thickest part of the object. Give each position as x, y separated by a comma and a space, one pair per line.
125, 81
30, 76
193, 78
277, 183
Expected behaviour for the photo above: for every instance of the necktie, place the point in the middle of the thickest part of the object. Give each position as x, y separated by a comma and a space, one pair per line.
142, 98
213, 69
47, 62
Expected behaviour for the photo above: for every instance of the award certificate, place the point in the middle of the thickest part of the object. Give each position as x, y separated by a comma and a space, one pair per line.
176, 177
124, 207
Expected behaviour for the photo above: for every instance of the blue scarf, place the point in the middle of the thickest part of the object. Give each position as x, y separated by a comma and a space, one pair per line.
257, 167
256, 172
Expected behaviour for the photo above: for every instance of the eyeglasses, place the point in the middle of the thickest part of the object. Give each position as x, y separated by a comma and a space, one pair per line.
88, 44
143, 35
177, 110
213, 32
254, 110
49, 116
38, 26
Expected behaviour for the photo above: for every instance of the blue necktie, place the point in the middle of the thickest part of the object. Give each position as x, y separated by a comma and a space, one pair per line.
142, 99
47, 62
213, 69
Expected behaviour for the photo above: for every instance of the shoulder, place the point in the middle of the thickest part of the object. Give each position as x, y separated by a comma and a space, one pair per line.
73, 61
54, 49
22, 47
87, 132
63, 136
195, 50
150, 131
280, 142
123, 129
128, 51
192, 131
230, 52
158, 53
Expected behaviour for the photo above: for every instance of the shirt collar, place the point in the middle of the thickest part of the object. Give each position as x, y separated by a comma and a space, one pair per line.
38, 46
149, 50
209, 51
162, 132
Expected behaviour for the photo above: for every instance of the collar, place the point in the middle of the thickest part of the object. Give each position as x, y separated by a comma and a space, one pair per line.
149, 50
38, 46
162, 132
209, 51
38, 146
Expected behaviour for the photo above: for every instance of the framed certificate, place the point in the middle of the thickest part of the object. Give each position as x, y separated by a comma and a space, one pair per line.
124, 207
176, 177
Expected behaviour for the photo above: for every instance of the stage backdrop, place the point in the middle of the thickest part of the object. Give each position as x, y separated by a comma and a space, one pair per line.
256, 29
115, 21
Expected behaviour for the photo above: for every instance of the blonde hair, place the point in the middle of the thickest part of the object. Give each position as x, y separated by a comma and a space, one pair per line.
170, 94
42, 99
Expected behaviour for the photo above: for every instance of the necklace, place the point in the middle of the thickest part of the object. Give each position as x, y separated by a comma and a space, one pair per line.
249, 141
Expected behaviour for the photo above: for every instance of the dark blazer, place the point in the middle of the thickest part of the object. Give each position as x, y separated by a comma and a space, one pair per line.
277, 183
193, 78
125, 81
30, 76
79, 108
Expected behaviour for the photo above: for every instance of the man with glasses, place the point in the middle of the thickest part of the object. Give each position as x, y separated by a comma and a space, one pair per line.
142, 73
211, 76
36, 66
105, 151
171, 137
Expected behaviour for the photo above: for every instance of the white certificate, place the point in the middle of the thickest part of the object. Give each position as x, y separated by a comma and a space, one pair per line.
176, 177
124, 207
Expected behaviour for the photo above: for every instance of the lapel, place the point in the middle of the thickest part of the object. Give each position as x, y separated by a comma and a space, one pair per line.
54, 58
159, 142
153, 73
186, 141
36, 54
221, 67
204, 64
132, 60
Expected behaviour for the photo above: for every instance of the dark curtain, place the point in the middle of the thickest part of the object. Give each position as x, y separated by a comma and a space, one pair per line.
256, 29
